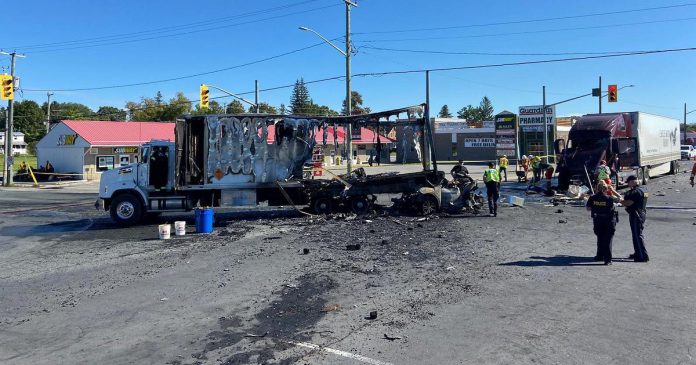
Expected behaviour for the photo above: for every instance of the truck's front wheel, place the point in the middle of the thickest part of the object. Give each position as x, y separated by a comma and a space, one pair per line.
126, 210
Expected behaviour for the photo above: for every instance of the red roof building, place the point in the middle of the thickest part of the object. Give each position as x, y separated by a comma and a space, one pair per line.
87, 147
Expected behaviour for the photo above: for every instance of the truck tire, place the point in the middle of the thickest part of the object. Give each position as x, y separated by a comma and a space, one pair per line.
359, 205
126, 209
646, 175
322, 205
674, 168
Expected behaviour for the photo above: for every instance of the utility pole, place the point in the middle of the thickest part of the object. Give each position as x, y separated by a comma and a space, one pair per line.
428, 145
349, 107
256, 95
7, 180
48, 111
600, 95
546, 125
684, 139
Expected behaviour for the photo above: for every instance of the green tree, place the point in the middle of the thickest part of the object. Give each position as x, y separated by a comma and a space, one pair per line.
283, 110
356, 105
69, 111
29, 119
470, 112
154, 109
300, 102
235, 107
322, 110
214, 107
110, 113
444, 112
264, 108
486, 109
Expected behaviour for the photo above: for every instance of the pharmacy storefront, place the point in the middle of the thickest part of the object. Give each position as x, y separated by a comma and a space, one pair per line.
531, 129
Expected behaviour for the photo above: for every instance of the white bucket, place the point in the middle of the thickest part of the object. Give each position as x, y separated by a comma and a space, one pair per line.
180, 228
165, 231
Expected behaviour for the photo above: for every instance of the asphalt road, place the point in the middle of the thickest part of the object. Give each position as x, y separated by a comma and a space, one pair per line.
520, 288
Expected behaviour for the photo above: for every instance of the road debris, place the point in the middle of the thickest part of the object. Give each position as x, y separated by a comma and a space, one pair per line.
372, 316
256, 336
331, 308
305, 251
391, 338
353, 247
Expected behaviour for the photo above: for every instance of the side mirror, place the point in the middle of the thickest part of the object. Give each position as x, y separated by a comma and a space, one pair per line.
559, 146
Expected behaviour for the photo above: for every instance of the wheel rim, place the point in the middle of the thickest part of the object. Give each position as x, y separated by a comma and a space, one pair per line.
359, 205
322, 206
428, 207
125, 210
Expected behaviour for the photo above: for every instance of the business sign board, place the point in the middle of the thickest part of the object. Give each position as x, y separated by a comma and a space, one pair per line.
118, 150
506, 135
532, 118
479, 142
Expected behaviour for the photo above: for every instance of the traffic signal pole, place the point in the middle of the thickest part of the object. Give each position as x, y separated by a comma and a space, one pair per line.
600, 95
7, 178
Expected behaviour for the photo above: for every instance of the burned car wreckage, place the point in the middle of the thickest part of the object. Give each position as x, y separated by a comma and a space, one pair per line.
244, 160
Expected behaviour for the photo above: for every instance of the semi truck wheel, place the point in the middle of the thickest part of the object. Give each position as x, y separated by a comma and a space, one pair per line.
360, 205
644, 175
322, 205
126, 210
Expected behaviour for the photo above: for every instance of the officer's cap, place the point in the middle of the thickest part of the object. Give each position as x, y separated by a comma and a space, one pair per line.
631, 178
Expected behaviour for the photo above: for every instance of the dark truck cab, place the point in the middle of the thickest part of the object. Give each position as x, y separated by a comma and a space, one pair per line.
593, 138
632, 143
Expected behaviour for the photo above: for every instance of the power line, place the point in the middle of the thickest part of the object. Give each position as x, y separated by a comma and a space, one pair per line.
164, 29
530, 20
186, 76
529, 32
534, 62
509, 64
488, 53
182, 33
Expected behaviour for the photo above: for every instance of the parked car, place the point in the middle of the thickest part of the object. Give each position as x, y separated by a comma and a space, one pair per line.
688, 152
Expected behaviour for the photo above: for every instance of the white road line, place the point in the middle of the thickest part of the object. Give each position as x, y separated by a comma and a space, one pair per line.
361, 358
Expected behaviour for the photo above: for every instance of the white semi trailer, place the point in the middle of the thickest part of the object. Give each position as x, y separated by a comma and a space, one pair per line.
633, 143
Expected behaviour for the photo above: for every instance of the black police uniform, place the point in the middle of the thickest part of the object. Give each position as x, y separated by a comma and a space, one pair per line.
636, 217
604, 218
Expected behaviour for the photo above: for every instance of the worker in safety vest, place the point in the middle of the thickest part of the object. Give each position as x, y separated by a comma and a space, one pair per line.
491, 177
524, 163
604, 174
536, 168
503, 165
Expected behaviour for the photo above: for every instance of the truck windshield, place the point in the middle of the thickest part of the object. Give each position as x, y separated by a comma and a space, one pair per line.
145, 154
590, 144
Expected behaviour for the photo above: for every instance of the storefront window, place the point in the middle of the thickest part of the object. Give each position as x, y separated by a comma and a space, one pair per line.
105, 163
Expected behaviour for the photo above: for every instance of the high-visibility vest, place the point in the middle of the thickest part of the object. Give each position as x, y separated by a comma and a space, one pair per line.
503, 162
491, 175
603, 173
536, 161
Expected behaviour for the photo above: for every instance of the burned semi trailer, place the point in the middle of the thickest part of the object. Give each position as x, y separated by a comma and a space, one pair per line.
230, 161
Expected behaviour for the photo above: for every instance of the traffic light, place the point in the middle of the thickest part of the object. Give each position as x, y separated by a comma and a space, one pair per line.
204, 97
613, 94
7, 87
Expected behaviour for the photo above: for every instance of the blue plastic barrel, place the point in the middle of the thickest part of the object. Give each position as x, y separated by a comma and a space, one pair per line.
204, 220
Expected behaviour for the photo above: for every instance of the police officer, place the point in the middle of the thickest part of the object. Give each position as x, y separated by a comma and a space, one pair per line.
604, 218
491, 177
635, 201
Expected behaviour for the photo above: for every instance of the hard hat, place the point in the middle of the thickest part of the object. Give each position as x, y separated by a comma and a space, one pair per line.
504, 155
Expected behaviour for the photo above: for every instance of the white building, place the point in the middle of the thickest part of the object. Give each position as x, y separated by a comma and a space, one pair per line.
87, 147
18, 144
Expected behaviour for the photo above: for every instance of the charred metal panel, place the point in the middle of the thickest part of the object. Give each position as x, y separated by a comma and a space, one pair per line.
239, 152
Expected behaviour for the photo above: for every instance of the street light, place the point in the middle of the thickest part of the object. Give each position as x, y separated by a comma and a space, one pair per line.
348, 128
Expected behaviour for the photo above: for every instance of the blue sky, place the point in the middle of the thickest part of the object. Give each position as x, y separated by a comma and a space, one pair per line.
215, 40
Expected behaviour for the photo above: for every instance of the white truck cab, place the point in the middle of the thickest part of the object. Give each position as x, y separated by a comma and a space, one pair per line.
130, 191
